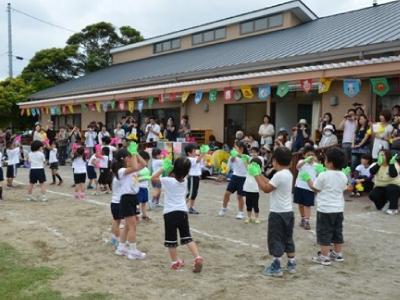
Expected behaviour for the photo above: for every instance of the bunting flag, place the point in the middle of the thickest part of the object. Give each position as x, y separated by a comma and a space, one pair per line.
306, 85
351, 87
37, 111
105, 106
112, 104
247, 91
47, 110
172, 97
52, 111
198, 97
64, 109
264, 91
161, 98
212, 95
28, 112
185, 96
228, 94
237, 95
380, 86
71, 108
121, 105
84, 107
42, 111
150, 101
283, 89
140, 105
324, 85
92, 107
58, 110
98, 106
22, 111
131, 106
33, 112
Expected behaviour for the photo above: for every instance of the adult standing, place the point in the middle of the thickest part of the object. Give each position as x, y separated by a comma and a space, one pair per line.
135, 130
90, 139
39, 134
50, 132
62, 145
382, 132
103, 133
326, 120
119, 132
361, 141
301, 134
170, 130
349, 126
266, 132
143, 128
152, 131
75, 135
2, 140
184, 128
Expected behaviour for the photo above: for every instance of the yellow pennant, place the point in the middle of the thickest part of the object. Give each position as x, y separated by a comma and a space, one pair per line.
247, 91
185, 96
71, 108
131, 106
98, 106
28, 112
324, 85
47, 110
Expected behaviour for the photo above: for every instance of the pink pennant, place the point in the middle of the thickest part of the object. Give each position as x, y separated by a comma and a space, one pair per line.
121, 105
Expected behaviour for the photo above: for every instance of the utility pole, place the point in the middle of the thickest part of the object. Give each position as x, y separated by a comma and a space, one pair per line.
10, 54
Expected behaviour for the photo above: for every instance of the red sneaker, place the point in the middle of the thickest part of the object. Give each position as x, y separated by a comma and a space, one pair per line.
198, 264
177, 265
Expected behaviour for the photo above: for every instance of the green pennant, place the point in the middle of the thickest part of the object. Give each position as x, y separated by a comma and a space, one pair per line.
212, 95
282, 89
380, 86
84, 107
150, 101
112, 104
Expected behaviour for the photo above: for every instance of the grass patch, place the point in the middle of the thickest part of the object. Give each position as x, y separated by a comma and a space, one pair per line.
19, 280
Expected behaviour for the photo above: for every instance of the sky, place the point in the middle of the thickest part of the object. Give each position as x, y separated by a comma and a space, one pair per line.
150, 17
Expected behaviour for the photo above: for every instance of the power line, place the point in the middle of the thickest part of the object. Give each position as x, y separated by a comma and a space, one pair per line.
42, 21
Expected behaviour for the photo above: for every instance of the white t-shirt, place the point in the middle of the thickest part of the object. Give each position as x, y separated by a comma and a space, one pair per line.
36, 159
53, 156
79, 166
101, 135
13, 156
266, 130
250, 184
119, 133
174, 194
112, 150
150, 134
281, 197
156, 164
90, 138
91, 160
238, 167
127, 183
348, 131
363, 171
1, 159
310, 169
103, 162
116, 196
331, 185
195, 166
143, 183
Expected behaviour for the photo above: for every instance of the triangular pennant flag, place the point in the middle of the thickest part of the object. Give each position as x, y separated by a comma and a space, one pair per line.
83, 107
42, 110
105, 106
22, 111
172, 97
185, 96
98, 106
351, 87
306, 85
92, 107
131, 106
282, 89
380, 86
212, 96
264, 91
150, 101
28, 112
121, 105
38, 111
52, 112
324, 85
112, 104
237, 95
161, 98
247, 91
228, 94
58, 110
33, 111
140, 105
198, 97
64, 109
71, 108
47, 110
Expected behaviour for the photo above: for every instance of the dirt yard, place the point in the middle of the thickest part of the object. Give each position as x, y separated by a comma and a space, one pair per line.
73, 236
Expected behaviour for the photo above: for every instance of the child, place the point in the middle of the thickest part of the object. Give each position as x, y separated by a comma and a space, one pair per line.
115, 211
281, 216
106, 144
250, 187
12, 162
176, 212
36, 174
156, 164
53, 161
303, 195
237, 165
1, 175
79, 167
105, 176
91, 172
144, 178
194, 175
362, 181
329, 187
125, 165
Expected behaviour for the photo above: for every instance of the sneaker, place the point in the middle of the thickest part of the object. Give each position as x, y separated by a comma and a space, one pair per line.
352, 194
136, 254
30, 198
44, 198
151, 205
193, 211
247, 221
114, 242
121, 250
177, 265
274, 269
307, 225
82, 196
222, 212
391, 212
53, 183
61, 182
320, 259
302, 222
257, 221
76, 195
159, 205
90, 187
335, 257
358, 195
291, 266
240, 215
198, 264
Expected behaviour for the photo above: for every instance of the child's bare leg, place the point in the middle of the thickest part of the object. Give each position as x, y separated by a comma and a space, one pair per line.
191, 203
325, 250
249, 214
338, 248
143, 209
115, 227
240, 202
124, 233
227, 197
42, 188
173, 253
301, 210
131, 225
256, 215
193, 249
30, 189
307, 212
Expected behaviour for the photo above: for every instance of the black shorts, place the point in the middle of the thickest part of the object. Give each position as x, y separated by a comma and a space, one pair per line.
54, 166
37, 175
174, 221
115, 211
1, 174
236, 185
329, 228
193, 187
91, 172
11, 171
127, 206
79, 178
105, 176
303, 197
280, 233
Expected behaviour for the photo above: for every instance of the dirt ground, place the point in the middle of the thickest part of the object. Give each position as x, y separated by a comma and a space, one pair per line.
72, 236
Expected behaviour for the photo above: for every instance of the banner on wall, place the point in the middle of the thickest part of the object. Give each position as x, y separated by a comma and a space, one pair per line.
84, 107
71, 108
198, 97
306, 85
150, 101
22, 111
212, 96
92, 107
112, 105
105, 106
228, 94
380, 86
283, 89
28, 112
351, 87
264, 91
140, 105
38, 111
247, 91
161, 98
185, 96
47, 110
98, 106
324, 85
131, 106
172, 96
121, 105
237, 95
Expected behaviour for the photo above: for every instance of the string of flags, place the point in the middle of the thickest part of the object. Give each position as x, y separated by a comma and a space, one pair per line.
351, 88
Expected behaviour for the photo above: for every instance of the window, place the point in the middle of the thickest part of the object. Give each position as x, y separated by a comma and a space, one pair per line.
197, 39
247, 27
167, 45
261, 24
66, 120
176, 44
275, 21
220, 33
209, 36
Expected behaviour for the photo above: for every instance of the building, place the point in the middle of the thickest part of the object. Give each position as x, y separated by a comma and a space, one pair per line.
280, 46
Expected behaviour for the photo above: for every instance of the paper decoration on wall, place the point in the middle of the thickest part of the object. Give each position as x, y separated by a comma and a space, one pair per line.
306, 85
47, 110
150, 101
71, 108
247, 91
380, 86
37, 111
198, 97
212, 96
92, 107
64, 109
98, 106
52, 111
131, 106
351, 87
185, 96
324, 85
264, 91
121, 105
228, 94
33, 112
83, 107
140, 105
237, 95
22, 111
172, 97
283, 89
42, 111
161, 98
112, 105
105, 106
28, 112
58, 110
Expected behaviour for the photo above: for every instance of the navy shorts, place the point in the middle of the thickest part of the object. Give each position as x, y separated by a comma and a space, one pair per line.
79, 178
143, 195
1, 174
236, 185
11, 171
127, 206
115, 211
303, 197
91, 172
54, 166
37, 175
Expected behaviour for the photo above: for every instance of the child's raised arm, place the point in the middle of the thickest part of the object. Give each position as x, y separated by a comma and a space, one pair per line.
264, 184
156, 175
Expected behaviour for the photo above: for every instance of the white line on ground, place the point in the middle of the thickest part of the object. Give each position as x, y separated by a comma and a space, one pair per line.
224, 238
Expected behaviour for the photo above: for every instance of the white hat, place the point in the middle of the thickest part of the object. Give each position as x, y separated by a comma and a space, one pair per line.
329, 127
303, 121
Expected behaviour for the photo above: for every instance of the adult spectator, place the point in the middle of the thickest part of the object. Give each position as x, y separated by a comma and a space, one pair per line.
50, 132
62, 145
39, 134
349, 126
386, 183
300, 135
2, 140
395, 110
170, 130
382, 133
135, 130
143, 128
213, 143
90, 139
239, 136
266, 132
184, 128
395, 146
282, 140
75, 135
152, 131
329, 137
361, 141
119, 132
103, 133
326, 120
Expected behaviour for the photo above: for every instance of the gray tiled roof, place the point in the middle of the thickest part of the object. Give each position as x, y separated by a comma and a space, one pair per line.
358, 29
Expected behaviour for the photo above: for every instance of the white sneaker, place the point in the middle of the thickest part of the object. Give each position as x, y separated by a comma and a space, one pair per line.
391, 212
152, 205
136, 254
240, 215
121, 250
30, 198
44, 198
222, 212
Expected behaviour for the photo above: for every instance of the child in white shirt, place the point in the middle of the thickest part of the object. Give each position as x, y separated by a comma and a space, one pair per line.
79, 167
144, 177
251, 190
1, 175
13, 153
53, 161
156, 164
36, 174
362, 179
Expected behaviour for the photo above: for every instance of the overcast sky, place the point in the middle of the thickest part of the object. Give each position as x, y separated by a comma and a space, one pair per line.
150, 17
